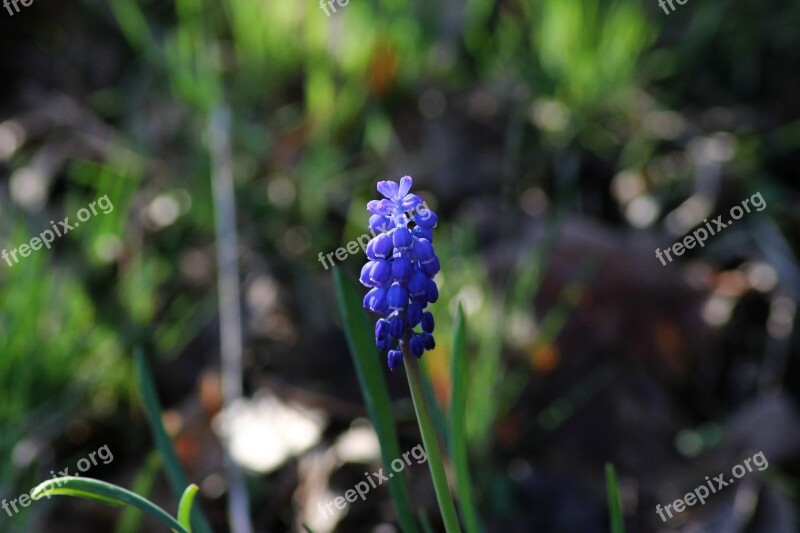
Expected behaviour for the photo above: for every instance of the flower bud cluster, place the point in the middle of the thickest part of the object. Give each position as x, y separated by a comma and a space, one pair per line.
400, 271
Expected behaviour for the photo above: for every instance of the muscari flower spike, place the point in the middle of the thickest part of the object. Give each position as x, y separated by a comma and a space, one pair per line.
400, 271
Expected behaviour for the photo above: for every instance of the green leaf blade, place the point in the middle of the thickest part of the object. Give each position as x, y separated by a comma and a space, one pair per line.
185, 507
357, 328
100, 491
614, 502
172, 466
459, 450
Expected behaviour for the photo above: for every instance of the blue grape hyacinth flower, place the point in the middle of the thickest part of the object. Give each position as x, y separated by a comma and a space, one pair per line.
400, 270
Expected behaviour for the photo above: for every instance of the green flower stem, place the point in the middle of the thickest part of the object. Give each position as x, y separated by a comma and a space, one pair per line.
430, 441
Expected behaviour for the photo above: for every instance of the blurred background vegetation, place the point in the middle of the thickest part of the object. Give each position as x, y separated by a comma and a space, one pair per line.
560, 141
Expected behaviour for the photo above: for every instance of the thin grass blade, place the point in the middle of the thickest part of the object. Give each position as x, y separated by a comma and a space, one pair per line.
614, 503
185, 507
172, 466
458, 425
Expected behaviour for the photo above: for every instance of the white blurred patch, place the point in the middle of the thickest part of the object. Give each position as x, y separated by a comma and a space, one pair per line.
315, 469
533, 201
359, 444
265, 431
26, 452
521, 329
197, 265
164, 210
549, 115
642, 211
262, 294
664, 124
214, 486
689, 214
108, 247
12, 136
761, 276
470, 298
627, 185
718, 148
29, 188
781, 317
717, 310
281, 191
